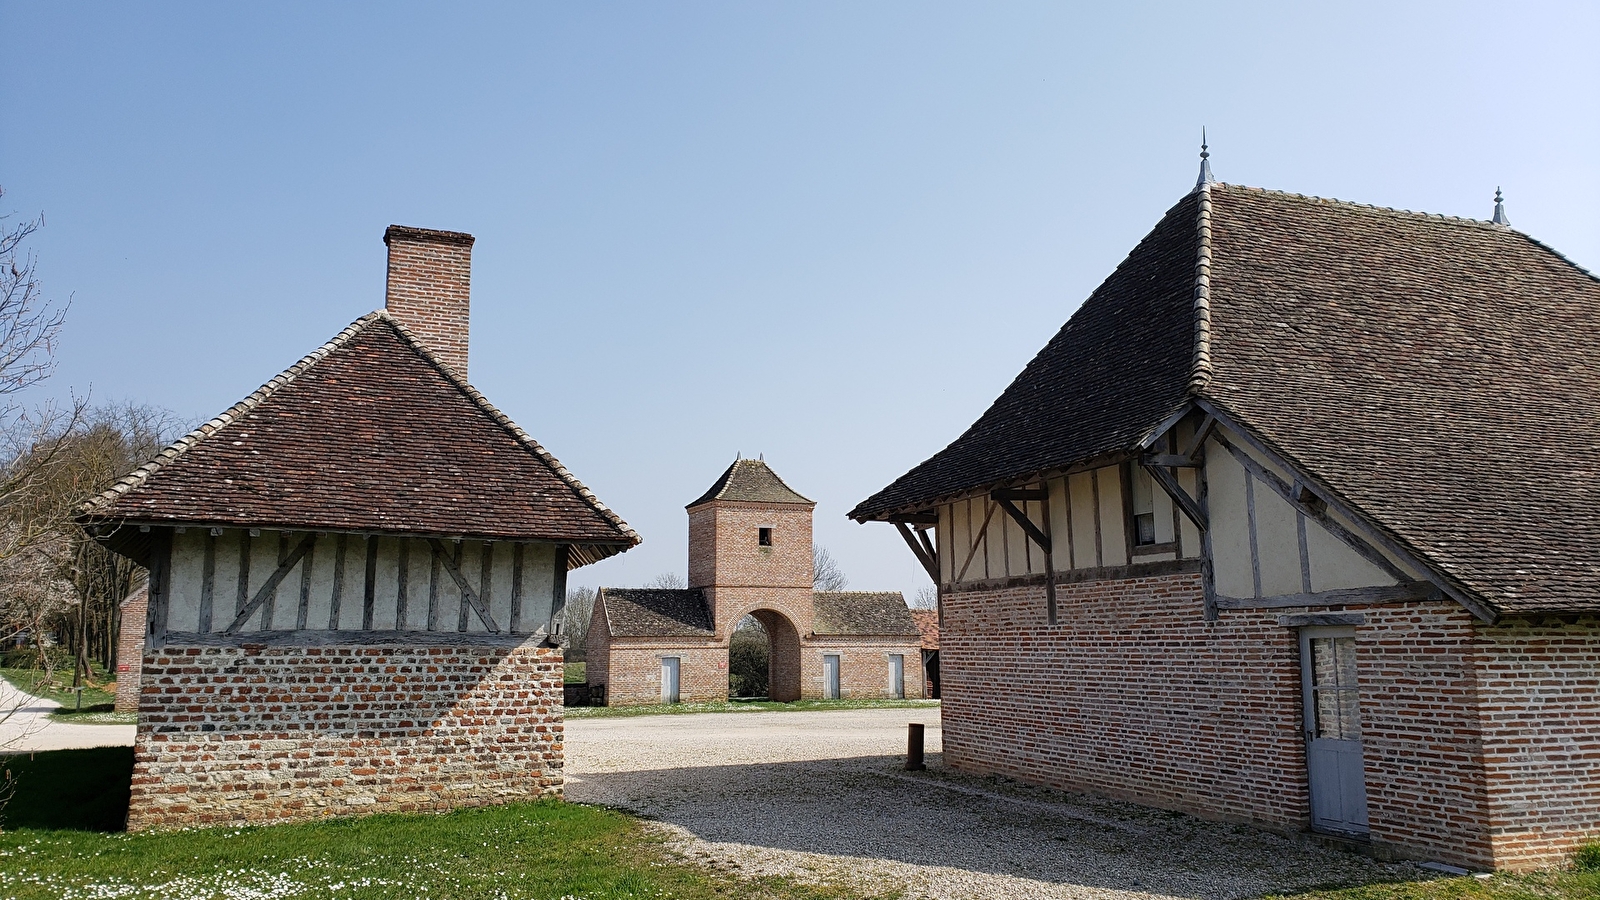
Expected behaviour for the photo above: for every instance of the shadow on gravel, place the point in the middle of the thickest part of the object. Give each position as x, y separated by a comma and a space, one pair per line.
868, 808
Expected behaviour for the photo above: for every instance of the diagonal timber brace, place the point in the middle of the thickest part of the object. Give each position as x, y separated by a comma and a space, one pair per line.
273, 580
1189, 505
924, 553
449, 565
1006, 499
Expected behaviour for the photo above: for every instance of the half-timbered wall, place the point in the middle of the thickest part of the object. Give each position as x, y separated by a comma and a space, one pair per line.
1263, 547
1088, 525
311, 581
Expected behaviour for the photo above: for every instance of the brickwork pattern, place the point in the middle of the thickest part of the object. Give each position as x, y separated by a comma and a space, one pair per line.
633, 672
430, 287
723, 548
1419, 731
130, 650
231, 735
1134, 695
863, 668
1539, 695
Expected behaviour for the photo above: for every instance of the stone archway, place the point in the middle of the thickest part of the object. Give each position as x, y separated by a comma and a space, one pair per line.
783, 655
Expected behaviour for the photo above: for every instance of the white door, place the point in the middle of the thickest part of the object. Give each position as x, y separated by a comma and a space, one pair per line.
1334, 767
897, 676
669, 679
830, 677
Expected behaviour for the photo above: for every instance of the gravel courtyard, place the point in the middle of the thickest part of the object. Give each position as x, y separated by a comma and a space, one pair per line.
822, 794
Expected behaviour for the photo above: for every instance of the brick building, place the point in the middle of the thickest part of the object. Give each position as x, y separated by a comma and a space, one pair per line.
750, 554
353, 576
130, 647
1293, 524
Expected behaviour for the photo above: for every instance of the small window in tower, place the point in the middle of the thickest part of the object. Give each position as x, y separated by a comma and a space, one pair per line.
764, 537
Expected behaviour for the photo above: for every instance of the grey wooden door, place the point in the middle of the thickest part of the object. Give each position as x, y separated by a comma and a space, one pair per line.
1336, 773
897, 675
830, 677
669, 679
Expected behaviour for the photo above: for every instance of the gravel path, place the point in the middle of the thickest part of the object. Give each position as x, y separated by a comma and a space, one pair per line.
27, 726
821, 795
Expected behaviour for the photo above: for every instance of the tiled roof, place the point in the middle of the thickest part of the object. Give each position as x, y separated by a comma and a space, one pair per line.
928, 623
751, 480
656, 612
1437, 375
368, 433
861, 613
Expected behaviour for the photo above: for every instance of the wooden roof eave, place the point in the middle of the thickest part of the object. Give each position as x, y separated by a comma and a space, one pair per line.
920, 512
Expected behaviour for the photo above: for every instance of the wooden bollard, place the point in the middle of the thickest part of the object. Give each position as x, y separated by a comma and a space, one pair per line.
914, 747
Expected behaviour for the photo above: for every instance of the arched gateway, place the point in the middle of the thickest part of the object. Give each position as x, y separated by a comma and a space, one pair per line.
750, 554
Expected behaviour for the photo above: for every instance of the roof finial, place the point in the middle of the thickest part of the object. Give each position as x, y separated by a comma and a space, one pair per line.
1500, 209
1205, 162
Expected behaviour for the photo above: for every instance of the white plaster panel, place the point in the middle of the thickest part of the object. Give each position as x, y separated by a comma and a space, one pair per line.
501, 557
471, 561
1085, 554
1016, 543
225, 580
1334, 565
1060, 527
184, 581
960, 537
1277, 542
263, 562
941, 538
1113, 531
1230, 525
538, 586
1163, 506
993, 539
1188, 532
323, 559
1036, 515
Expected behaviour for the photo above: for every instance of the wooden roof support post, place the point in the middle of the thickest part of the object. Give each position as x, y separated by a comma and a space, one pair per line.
929, 562
1006, 498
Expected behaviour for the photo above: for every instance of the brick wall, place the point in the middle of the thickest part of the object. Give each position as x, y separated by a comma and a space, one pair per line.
234, 735
1539, 689
429, 289
863, 667
633, 671
1419, 731
130, 649
723, 548
1134, 695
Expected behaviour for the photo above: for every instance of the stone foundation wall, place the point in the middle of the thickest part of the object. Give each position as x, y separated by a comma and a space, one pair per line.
253, 734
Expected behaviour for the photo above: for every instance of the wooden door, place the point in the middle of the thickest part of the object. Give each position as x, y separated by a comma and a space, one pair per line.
1332, 717
830, 677
897, 676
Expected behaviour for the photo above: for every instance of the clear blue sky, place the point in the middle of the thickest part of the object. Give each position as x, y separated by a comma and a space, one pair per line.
826, 232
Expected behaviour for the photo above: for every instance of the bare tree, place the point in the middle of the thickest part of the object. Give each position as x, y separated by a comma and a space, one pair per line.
575, 620
669, 581
926, 597
29, 323
826, 574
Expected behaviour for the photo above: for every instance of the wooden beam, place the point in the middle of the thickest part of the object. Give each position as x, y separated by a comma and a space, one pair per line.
401, 588
1202, 431
1032, 530
929, 565
1189, 505
433, 592
923, 518
338, 582
929, 548
516, 588
1408, 592
208, 579
369, 591
1168, 460
486, 574
1017, 494
277, 576
559, 601
243, 595
303, 608
453, 569
976, 539
1316, 512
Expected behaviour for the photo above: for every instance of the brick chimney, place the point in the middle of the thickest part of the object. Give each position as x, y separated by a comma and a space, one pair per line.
430, 288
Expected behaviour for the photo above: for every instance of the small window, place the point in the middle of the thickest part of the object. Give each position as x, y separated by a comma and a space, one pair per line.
1144, 509
764, 536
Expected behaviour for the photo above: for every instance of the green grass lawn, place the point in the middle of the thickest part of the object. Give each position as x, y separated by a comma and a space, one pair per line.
99, 696
738, 706
1554, 885
55, 846
573, 674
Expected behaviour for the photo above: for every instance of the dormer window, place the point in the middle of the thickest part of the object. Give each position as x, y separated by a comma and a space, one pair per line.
764, 536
